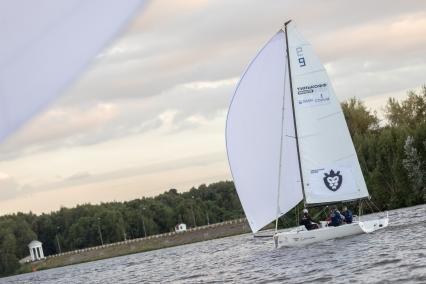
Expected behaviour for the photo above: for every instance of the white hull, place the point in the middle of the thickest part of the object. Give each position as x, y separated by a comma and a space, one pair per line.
300, 236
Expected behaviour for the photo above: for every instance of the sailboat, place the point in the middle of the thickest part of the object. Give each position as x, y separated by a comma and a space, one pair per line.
287, 141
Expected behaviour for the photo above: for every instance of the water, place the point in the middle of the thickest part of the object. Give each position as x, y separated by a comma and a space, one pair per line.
394, 255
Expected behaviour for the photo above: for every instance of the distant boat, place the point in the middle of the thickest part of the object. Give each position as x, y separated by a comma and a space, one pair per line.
287, 141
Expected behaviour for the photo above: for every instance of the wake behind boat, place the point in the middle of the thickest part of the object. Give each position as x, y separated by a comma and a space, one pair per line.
287, 141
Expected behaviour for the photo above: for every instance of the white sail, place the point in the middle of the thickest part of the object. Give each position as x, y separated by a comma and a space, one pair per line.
330, 167
257, 131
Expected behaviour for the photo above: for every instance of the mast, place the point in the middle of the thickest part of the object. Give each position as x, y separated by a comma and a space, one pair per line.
294, 115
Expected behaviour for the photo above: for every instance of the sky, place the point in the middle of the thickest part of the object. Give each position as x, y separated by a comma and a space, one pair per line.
149, 113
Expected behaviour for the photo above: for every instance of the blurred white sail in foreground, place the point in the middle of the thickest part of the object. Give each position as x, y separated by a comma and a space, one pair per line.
45, 44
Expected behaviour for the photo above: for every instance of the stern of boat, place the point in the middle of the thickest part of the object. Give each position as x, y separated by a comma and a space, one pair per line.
370, 226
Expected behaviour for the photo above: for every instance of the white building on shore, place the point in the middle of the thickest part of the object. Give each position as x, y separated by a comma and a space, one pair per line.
180, 228
36, 250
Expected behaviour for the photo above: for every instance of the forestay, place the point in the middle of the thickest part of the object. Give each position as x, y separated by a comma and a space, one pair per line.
257, 131
330, 166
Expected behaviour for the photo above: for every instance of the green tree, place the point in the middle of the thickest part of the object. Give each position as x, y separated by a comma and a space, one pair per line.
23, 236
409, 112
84, 233
415, 168
359, 119
8, 260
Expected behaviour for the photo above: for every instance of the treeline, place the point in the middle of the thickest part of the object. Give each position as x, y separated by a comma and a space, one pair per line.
392, 154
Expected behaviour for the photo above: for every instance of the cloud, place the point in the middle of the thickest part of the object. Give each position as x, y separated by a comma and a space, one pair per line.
364, 80
79, 176
376, 40
9, 188
58, 127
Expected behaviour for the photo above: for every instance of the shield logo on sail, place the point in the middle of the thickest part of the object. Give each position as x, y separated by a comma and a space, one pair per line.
333, 180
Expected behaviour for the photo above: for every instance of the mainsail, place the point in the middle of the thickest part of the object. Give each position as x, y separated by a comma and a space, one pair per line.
271, 147
257, 131
330, 167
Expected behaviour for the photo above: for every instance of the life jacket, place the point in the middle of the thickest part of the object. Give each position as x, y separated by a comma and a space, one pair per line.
306, 222
348, 216
336, 219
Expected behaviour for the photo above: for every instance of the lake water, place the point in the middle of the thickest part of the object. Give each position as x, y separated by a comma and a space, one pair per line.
396, 254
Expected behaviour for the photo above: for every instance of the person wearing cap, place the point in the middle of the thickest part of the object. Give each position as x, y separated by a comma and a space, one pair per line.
307, 221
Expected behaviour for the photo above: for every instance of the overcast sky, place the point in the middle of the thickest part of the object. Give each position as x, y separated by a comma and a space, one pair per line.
149, 113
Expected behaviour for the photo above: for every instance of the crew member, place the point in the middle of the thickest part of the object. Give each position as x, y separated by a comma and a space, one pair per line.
307, 221
348, 215
336, 218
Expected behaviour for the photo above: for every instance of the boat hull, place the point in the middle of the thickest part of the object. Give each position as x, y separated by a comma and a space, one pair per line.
300, 236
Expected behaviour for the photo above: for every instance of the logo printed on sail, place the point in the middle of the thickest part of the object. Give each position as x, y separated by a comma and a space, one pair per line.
311, 88
314, 94
300, 57
333, 180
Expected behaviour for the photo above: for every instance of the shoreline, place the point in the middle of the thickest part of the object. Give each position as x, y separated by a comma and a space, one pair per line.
154, 242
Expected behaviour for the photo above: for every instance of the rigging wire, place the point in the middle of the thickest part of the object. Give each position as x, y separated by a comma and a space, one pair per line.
371, 208
374, 204
360, 209
318, 214
281, 150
